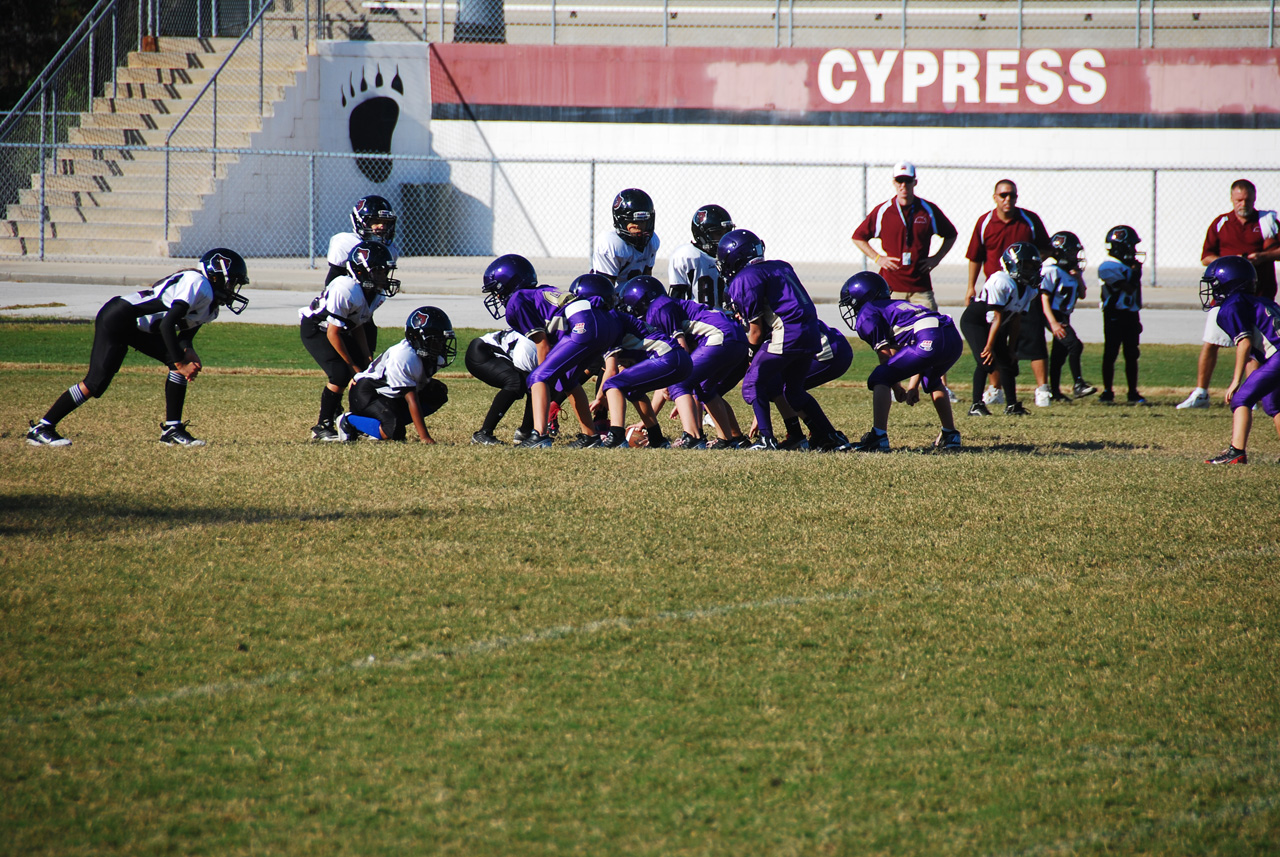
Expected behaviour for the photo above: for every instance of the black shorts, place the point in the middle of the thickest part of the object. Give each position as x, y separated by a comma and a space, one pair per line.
1031, 344
494, 367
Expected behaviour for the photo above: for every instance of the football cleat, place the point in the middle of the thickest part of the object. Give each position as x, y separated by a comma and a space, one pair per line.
794, 443
1195, 400
1081, 389
610, 441
661, 443
834, 442
585, 441
872, 442
343, 431
1059, 396
1136, 398
43, 434
951, 396
324, 431
993, 396
483, 438
722, 443
1044, 396
176, 434
764, 443
688, 441
948, 439
519, 436
1015, 410
1107, 396
535, 441
979, 410
1230, 455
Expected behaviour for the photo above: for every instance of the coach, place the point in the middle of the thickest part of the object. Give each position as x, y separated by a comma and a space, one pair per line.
997, 230
905, 226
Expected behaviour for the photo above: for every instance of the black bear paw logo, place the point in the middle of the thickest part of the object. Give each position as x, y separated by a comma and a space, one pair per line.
373, 121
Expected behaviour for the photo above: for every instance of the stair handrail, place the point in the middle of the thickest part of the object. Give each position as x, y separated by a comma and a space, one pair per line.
54, 67
213, 83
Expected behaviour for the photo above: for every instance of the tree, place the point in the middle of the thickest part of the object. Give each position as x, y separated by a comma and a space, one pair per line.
33, 31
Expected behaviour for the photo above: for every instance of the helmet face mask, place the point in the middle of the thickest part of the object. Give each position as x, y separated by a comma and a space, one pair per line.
710, 224
430, 333
634, 207
638, 294
1067, 251
505, 276
226, 271
736, 250
857, 291
594, 286
1122, 243
371, 265
1226, 276
373, 219
1022, 262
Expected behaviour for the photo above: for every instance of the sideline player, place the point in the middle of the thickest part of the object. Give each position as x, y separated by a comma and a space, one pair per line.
991, 320
1121, 304
372, 219
692, 271
631, 249
161, 322
1061, 286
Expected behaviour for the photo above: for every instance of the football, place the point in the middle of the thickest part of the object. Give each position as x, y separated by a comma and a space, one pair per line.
637, 437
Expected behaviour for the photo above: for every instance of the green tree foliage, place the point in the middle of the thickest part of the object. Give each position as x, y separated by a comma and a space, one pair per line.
32, 31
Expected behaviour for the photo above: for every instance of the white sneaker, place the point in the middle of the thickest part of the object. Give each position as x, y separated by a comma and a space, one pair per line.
1044, 396
951, 397
1195, 400
993, 396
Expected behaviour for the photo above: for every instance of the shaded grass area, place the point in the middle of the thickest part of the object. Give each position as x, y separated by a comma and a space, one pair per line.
1059, 641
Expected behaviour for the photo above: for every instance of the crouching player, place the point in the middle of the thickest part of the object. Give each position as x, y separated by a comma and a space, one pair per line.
915, 345
398, 388
161, 322
1253, 323
656, 361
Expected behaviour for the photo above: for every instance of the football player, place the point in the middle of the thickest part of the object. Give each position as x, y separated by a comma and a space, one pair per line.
830, 362
692, 271
503, 359
632, 248
1253, 323
914, 344
1062, 284
337, 326
161, 322
782, 328
1121, 301
372, 219
991, 320
399, 388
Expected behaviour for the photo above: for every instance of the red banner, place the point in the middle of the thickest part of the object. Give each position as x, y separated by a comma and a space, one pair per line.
855, 80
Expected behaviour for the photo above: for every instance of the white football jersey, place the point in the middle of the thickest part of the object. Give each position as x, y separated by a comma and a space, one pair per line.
398, 370
343, 303
690, 266
1001, 291
341, 245
620, 260
1062, 287
189, 287
1114, 274
518, 348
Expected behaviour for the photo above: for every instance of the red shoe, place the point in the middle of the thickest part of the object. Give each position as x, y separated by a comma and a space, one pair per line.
1230, 455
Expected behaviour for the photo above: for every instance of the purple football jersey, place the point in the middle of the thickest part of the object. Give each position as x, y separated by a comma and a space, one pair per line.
708, 326
637, 340
893, 323
1253, 317
530, 311
666, 315
770, 293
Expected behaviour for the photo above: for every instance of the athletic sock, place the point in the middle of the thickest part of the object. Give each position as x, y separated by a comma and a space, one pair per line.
71, 399
365, 425
175, 394
330, 403
793, 426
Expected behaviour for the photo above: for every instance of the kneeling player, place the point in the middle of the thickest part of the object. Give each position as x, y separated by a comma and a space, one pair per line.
161, 322
915, 345
399, 388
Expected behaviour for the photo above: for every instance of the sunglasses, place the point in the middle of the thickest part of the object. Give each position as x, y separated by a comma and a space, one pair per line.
1007, 194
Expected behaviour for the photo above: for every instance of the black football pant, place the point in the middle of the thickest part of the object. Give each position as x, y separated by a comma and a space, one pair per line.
1120, 330
976, 328
1065, 350
494, 367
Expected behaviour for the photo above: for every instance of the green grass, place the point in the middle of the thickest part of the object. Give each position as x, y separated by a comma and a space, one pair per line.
1062, 641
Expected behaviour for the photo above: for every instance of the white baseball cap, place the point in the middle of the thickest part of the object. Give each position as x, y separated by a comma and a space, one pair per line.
904, 169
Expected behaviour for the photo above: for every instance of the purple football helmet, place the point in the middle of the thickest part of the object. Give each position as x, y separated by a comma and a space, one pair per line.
857, 290
1225, 276
594, 286
738, 249
505, 276
638, 293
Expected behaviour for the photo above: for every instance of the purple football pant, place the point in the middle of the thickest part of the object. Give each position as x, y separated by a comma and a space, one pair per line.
712, 366
822, 371
771, 375
652, 374
574, 354
1262, 387
935, 352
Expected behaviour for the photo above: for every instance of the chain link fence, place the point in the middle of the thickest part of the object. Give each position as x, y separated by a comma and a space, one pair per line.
461, 212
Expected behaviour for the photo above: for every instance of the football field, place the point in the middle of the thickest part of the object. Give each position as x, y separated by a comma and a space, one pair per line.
1060, 640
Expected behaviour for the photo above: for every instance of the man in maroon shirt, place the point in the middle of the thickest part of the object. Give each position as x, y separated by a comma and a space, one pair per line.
905, 226
996, 230
1243, 231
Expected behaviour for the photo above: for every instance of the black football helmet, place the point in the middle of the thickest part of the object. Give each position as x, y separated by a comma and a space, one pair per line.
1068, 252
226, 272
371, 265
638, 293
1122, 243
857, 290
633, 206
505, 276
430, 332
1022, 262
594, 286
373, 219
736, 250
1225, 276
710, 223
